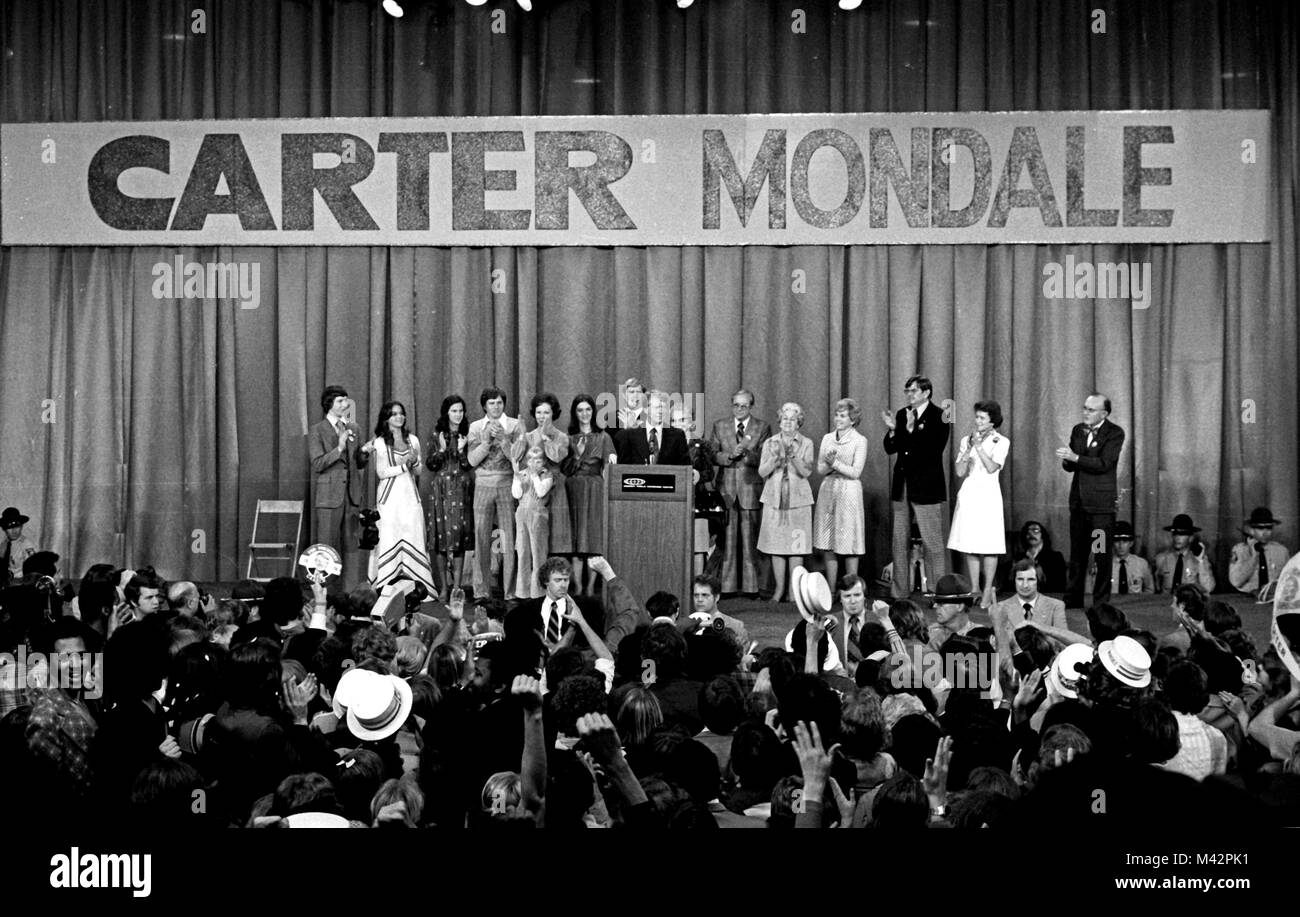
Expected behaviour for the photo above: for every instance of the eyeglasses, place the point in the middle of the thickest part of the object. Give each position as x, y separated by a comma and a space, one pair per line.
739, 404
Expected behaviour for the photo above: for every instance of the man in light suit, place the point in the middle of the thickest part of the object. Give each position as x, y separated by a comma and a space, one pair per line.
737, 446
655, 443
333, 446
1093, 458
488, 448
1027, 606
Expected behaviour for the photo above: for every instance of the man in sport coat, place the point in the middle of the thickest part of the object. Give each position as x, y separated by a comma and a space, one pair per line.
918, 435
334, 448
737, 447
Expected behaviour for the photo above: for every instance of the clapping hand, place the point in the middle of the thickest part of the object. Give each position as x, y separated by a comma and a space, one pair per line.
1028, 689
298, 695
888, 418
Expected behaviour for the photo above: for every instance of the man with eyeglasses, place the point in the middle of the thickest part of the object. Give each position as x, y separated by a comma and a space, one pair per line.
1093, 458
917, 435
737, 444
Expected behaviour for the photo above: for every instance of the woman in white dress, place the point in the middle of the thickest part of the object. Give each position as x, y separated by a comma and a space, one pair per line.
401, 548
977, 527
840, 528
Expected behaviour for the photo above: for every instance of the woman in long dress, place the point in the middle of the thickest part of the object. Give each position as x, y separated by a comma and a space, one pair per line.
841, 528
589, 450
554, 444
785, 463
451, 497
401, 548
977, 524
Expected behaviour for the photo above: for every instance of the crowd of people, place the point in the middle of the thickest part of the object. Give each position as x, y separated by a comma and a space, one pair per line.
283, 705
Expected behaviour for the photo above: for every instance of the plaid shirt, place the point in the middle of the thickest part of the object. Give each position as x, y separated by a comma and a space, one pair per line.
60, 731
13, 688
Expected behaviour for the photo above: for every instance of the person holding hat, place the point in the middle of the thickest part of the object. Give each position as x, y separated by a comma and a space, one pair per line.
17, 548
1130, 573
1258, 561
1187, 562
952, 599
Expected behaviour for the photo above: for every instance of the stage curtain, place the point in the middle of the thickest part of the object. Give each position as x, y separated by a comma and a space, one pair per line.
143, 430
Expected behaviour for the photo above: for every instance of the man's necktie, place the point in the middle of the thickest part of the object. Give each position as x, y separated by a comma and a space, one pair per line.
1178, 570
1123, 576
654, 447
740, 430
1092, 437
553, 624
911, 419
918, 581
1029, 610
342, 429
1259, 551
855, 627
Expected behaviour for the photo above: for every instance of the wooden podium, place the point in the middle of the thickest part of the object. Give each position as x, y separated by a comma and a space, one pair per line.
650, 527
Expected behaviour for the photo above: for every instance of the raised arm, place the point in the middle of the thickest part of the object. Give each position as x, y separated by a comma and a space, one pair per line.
1279, 740
532, 770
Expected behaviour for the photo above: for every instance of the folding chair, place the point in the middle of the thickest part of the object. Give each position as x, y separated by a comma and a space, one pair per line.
274, 508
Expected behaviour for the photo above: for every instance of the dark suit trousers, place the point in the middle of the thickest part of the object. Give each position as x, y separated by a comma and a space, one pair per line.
930, 520
339, 527
1084, 527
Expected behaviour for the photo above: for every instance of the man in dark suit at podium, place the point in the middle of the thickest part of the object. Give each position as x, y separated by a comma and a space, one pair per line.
656, 443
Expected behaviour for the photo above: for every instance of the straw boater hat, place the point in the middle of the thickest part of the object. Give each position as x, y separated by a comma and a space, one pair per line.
379, 707
1067, 668
816, 594
1127, 660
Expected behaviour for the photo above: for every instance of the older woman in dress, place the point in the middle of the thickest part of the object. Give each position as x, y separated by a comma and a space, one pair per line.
977, 530
590, 448
840, 529
554, 444
784, 464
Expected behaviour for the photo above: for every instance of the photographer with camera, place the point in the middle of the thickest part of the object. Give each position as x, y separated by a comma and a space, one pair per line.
1187, 562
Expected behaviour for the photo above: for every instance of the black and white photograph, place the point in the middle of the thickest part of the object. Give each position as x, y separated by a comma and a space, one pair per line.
634, 415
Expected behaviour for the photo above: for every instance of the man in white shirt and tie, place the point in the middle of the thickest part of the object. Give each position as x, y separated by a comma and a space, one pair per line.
656, 443
333, 447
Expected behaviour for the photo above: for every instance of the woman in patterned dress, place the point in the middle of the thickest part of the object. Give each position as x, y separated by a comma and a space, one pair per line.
401, 548
786, 461
554, 443
840, 528
451, 498
590, 448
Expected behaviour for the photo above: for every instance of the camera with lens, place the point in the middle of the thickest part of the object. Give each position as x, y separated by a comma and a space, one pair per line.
369, 519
